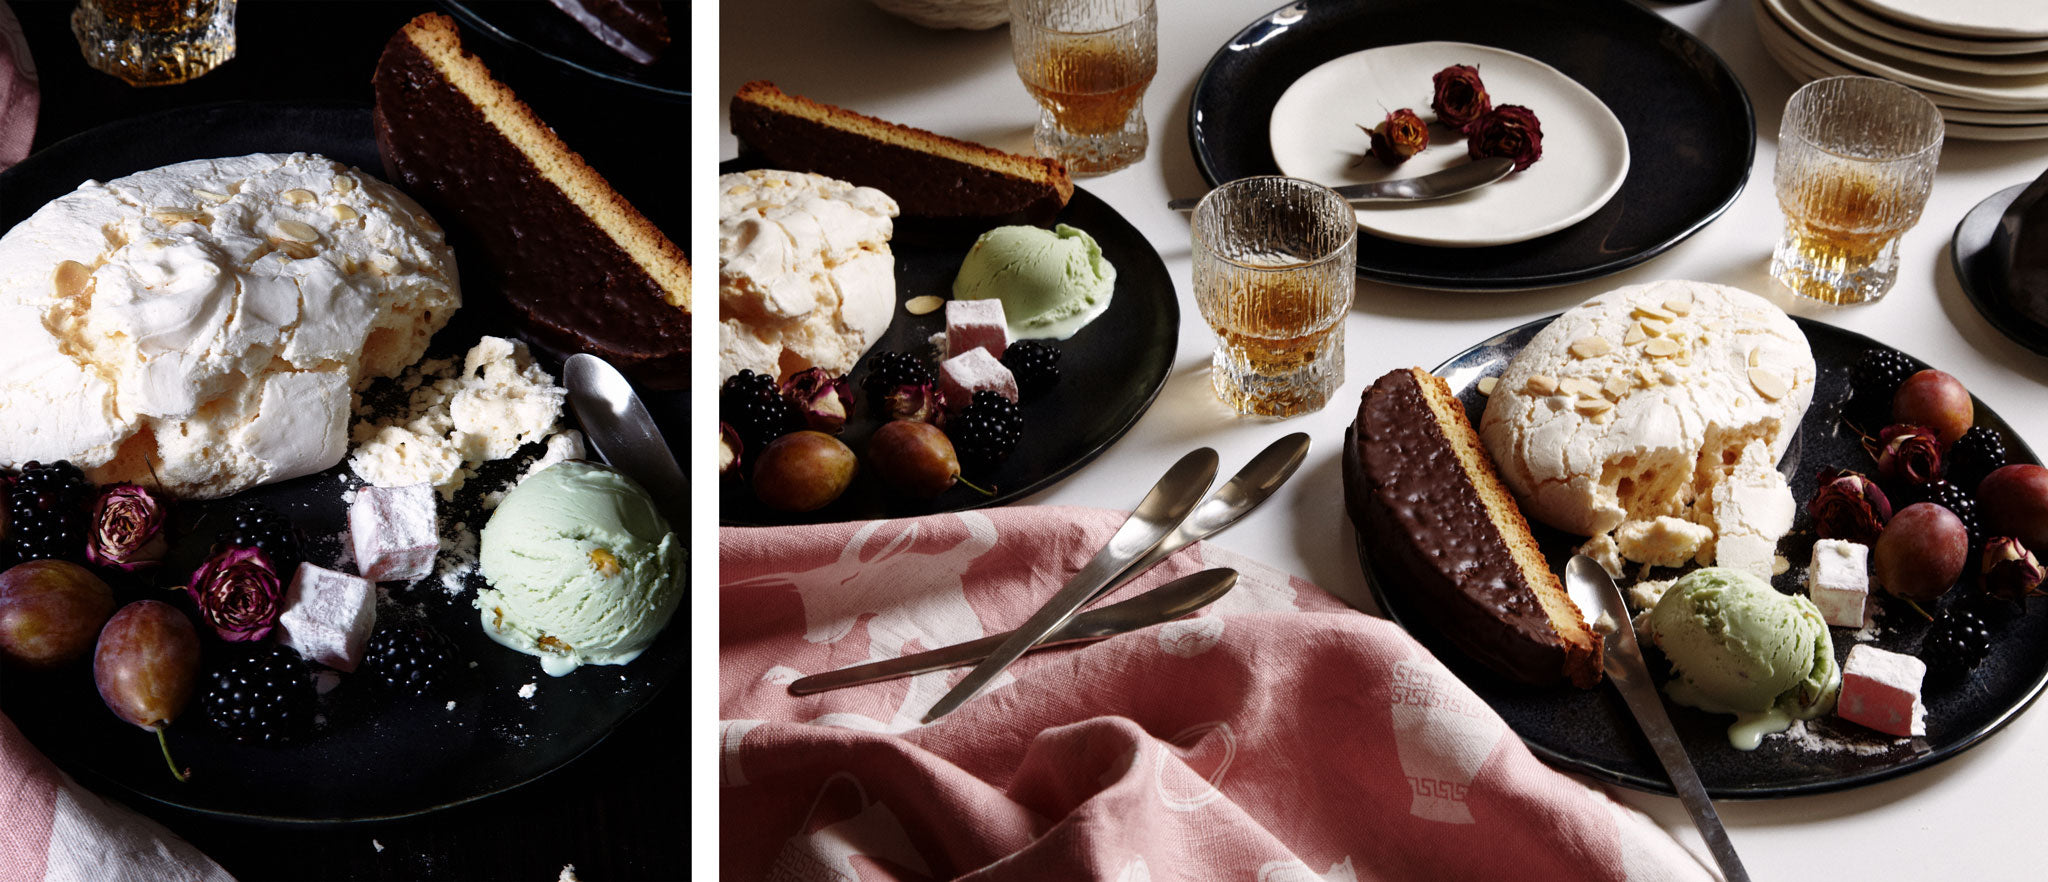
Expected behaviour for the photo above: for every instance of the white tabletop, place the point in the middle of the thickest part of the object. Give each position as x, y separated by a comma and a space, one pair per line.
1977, 816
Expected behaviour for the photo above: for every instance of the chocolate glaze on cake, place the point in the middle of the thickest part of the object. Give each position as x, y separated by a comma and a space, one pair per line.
1427, 526
572, 286
946, 188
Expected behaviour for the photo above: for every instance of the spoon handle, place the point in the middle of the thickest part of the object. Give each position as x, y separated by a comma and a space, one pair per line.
1631, 676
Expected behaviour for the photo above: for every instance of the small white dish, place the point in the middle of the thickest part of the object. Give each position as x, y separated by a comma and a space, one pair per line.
1993, 19
2024, 93
1315, 135
1872, 24
1879, 47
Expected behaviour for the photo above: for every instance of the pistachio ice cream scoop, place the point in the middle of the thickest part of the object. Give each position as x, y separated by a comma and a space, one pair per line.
1737, 646
582, 568
1051, 282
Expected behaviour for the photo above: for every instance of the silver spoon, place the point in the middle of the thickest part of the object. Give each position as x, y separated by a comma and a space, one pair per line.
1622, 659
1162, 604
623, 433
1449, 182
1230, 503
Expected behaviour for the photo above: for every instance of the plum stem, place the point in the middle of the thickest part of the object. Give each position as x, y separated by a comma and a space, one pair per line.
973, 486
165, 744
1916, 608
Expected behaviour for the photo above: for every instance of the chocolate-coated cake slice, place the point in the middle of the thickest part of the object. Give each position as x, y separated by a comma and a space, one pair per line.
1439, 523
946, 187
582, 270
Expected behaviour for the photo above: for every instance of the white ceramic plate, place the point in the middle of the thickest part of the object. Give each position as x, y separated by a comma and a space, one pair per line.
1996, 19
2028, 92
1879, 47
1315, 136
1871, 24
1960, 124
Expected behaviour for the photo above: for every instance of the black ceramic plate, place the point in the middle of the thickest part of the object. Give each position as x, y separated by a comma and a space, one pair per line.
1110, 371
539, 27
1591, 731
376, 756
1979, 267
1691, 134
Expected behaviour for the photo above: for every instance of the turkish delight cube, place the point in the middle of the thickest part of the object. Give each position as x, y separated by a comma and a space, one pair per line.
972, 323
394, 532
972, 371
1838, 581
1881, 690
328, 616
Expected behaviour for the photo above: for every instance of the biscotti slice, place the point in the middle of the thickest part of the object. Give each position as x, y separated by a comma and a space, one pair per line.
946, 187
581, 268
1439, 523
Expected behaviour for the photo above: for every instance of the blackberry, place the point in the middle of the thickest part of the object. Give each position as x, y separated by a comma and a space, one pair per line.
263, 693
1036, 365
1959, 503
1978, 453
256, 525
753, 405
985, 431
889, 370
47, 510
1955, 643
413, 657
1876, 378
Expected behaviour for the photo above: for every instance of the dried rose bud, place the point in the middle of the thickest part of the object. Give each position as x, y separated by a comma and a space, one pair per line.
1849, 507
1460, 98
1907, 453
2010, 570
729, 448
238, 593
1510, 131
127, 529
824, 400
1401, 135
914, 401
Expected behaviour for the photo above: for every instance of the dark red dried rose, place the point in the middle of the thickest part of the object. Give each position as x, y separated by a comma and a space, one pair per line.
1907, 453
1510, 131
1461, 98
238, 593
2010, 570
1401, 135
914, 401
127, 529
824, 400
1849, 507
729, 448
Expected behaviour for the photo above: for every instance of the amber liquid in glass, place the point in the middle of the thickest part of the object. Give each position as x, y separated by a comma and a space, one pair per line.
1839, 222
1089, 82
155, 42
1277, 337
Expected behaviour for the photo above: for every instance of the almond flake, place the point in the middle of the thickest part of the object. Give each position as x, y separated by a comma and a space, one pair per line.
923, 305
293, 249
1582, 387
1755, 355
1678, 306
1616, 386
175, 215
1661, 347
1487, 385
1591, 347
1658, 313
344, 184
1769, 385
1653, 327
1593, 406
345, 213
1541, 384
1635, 335
211, 196
70, 278
298, 196
295, 230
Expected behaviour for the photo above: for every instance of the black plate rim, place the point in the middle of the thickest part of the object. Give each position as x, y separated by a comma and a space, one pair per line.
1170, 306
1208, 81
30, 168
461, 10
1661, 785
1969, 257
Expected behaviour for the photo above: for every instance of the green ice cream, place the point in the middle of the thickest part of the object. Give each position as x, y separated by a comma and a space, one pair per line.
1051, 282
582, 568
1737, 646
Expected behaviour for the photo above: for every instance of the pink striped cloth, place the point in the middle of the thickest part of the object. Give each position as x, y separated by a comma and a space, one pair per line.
52, 829
1277, 737
18, 92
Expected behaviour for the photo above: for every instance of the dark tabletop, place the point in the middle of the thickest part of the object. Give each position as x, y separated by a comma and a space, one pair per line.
621, 810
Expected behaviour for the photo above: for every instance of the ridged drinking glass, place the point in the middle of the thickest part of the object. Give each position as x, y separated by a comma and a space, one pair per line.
1856, 158
1275, 266
1087, 63
155, 42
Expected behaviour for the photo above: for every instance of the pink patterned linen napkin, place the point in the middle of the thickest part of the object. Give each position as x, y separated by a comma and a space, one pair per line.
18, 92
1278, 736
52, 829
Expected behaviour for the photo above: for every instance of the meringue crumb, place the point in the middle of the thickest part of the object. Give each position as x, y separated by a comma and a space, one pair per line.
528, 690
379, 846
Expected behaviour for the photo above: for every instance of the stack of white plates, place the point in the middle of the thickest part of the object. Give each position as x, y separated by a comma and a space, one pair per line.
1983, 62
